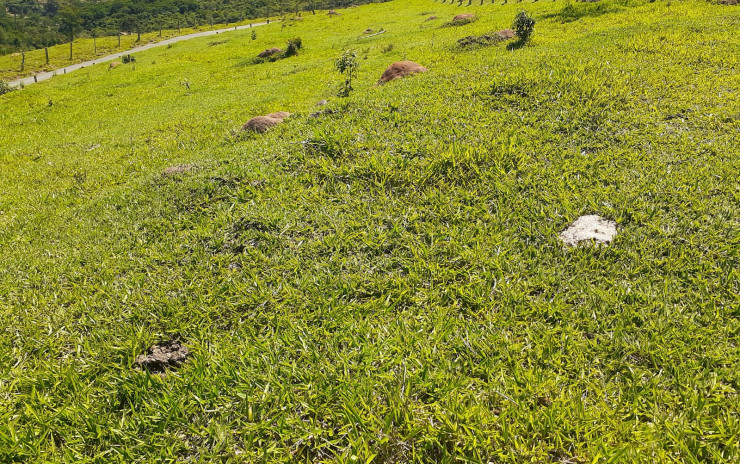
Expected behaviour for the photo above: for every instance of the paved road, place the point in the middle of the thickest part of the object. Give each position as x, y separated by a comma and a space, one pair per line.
67, 69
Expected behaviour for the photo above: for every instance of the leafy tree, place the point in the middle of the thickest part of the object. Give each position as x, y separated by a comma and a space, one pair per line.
347, 64
69, 25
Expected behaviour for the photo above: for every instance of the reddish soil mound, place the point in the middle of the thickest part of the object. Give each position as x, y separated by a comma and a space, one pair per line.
261, 124
115, 64
333, 13
401, 69
269, 52
463, 17
506, 34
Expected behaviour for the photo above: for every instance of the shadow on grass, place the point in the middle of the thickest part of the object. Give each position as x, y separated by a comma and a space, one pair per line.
516, 45
574, 12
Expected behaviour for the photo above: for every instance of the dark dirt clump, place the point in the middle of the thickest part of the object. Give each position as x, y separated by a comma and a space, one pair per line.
269, 52
486, 39
160, 357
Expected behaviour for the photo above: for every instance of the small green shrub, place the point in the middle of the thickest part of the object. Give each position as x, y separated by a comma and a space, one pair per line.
254, 34
128, 59
523, 26
292, 47
347, 64
4, 87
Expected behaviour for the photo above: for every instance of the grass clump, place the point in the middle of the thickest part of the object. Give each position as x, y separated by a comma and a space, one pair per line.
4, 87
386, 282
461, 20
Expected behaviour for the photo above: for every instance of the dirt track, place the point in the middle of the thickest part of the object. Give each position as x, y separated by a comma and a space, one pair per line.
74, 67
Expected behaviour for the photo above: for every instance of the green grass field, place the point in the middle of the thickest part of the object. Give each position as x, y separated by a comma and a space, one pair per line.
84, 49
383, 283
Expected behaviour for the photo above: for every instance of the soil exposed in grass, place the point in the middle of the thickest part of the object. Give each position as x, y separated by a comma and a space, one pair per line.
401, 69
163, 356
589, 229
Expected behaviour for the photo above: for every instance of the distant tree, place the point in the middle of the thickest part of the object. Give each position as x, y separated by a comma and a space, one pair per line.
69, 25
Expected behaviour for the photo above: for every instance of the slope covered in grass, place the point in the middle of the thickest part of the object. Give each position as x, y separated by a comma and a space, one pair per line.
383, 283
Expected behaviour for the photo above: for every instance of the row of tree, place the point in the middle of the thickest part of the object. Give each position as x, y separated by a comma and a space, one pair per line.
31, 24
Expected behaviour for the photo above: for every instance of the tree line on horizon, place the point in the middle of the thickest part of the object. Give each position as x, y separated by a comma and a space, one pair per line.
32, 24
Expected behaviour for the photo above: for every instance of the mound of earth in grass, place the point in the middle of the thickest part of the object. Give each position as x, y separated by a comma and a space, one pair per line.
401, 69
261, 124
160, 357
115, 64
486, 39
333, 13
589, 229
464, 17
269, 52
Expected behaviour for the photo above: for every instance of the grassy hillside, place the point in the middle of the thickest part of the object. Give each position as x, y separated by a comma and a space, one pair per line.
383, 283
85, 49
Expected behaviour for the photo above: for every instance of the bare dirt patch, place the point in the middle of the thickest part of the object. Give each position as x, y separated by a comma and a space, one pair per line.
463, 17
486, 39
588, 230
261, 124
115, 64
269, 52
401, 69
179, 169
163, 356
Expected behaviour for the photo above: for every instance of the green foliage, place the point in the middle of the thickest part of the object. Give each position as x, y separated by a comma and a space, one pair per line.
523, 26
128, 59
254, 34
383, 283
347, 64
292, 47
40, 24
4, 87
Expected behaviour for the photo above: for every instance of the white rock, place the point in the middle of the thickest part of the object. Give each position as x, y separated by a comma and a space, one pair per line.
591, 228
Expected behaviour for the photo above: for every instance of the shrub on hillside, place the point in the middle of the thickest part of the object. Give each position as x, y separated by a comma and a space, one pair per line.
347, 64
523, 27
4, 87
293, 46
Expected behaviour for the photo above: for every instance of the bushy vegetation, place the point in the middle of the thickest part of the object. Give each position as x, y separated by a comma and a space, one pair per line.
383, 283
4, 87
523, 26
30, 24
347, 65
